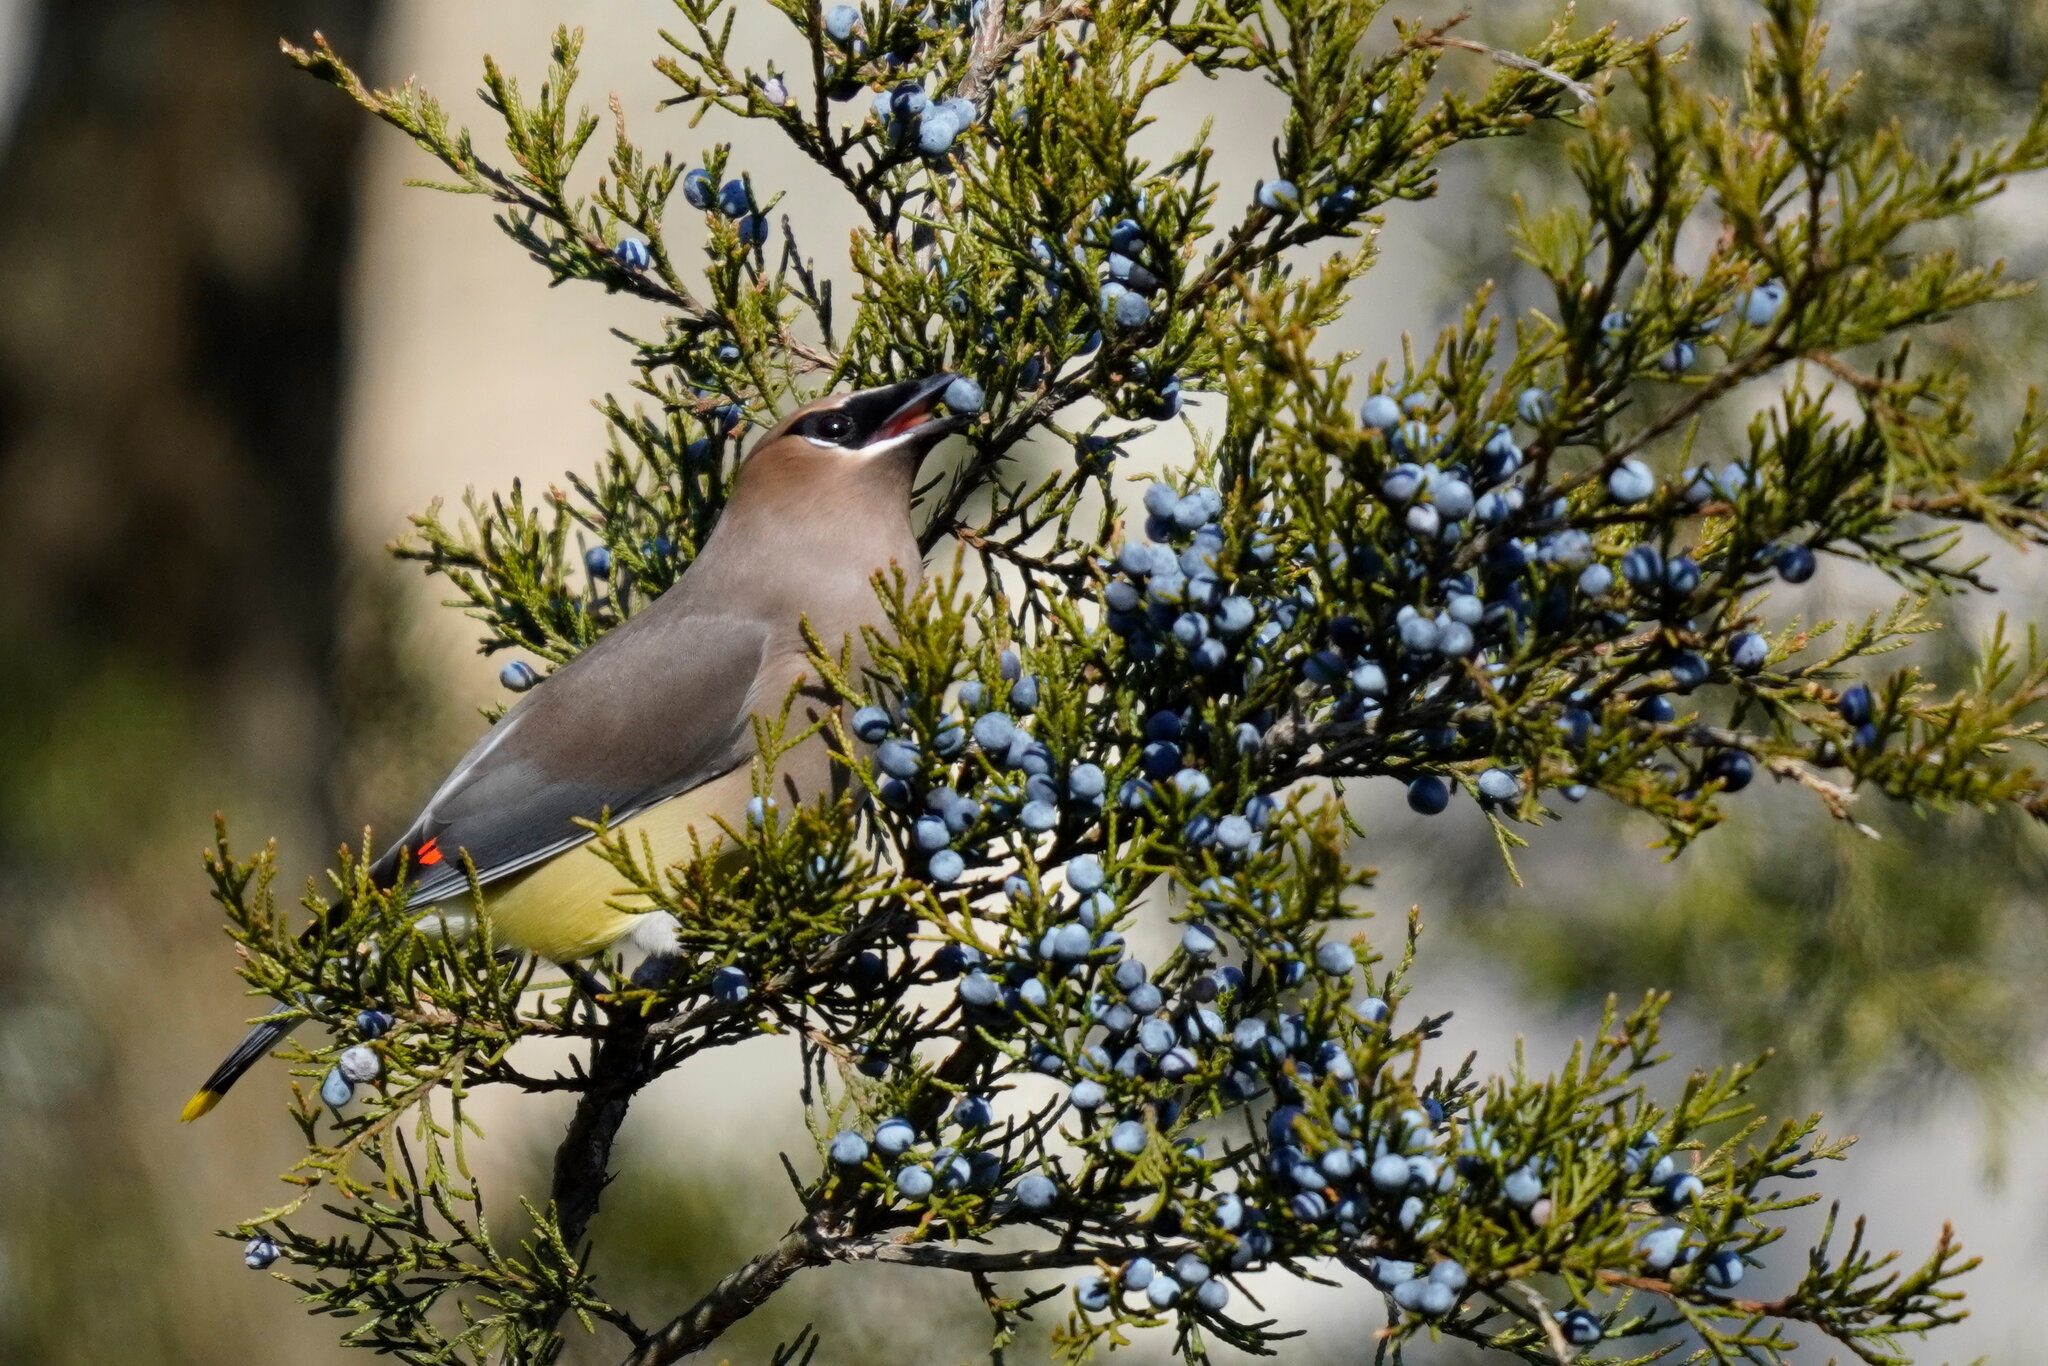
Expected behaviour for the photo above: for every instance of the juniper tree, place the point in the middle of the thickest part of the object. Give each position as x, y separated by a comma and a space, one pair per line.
1503, 567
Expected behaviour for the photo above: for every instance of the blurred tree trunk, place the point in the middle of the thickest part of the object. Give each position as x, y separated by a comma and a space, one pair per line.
173, 247
175, 238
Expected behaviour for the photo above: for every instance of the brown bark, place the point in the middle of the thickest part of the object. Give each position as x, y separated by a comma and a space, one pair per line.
173, 240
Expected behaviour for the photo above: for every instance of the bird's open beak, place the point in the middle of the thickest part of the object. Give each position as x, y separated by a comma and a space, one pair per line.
915, 402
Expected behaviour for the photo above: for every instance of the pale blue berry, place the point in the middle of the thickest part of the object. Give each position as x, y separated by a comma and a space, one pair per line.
1234, 833
1580, 1328
1401, 483
1723, 1270
1522, 1187
898, 757
1280, 196
894, 1137
1679, 1191
335, 1089
936, 130
1086, 782
359, 1064
1659, 1248
1382, 412
1037, 1192
1631, 482
963, 396
994, 731
1499, 785
1760, 305
1390, 1172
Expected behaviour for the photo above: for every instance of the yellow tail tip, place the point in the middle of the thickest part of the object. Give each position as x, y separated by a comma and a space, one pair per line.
199, 1105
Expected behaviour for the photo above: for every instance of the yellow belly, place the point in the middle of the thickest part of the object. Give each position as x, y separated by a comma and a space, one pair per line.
576, 904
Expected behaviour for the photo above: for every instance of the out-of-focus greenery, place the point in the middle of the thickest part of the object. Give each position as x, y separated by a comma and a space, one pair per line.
1918, 958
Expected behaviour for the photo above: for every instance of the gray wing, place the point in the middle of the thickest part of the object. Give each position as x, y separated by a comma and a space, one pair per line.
660, 705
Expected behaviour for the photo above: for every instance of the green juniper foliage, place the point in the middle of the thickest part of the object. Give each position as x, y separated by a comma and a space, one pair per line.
1501, 565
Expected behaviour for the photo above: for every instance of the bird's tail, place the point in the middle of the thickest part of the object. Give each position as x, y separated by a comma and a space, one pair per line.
259, 1041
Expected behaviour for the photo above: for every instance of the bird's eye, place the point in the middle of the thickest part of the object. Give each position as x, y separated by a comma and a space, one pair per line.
832, 427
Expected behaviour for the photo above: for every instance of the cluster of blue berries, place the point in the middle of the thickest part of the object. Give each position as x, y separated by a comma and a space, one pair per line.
916, 1169
1171, 591
1156, 1288
734, 200
1127, 285
1118, 272
913, 117
1756, 308
1452, 613
1283, 197
1020, 786
358, 1064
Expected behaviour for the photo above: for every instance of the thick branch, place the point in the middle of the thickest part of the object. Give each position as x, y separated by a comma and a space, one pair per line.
733, 1298
583, 1159
946, 1257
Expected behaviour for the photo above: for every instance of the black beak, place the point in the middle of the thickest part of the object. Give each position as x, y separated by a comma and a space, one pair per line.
896, 411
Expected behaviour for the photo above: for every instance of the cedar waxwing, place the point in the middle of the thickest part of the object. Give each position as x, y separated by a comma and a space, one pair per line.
651, 728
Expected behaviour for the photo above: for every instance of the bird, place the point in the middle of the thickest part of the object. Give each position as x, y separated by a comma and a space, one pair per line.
650, 730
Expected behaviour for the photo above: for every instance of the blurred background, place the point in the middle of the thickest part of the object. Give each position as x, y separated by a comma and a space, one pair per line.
236, 353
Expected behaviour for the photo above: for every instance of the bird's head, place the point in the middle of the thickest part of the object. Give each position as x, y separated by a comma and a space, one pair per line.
896, 423
835, 476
